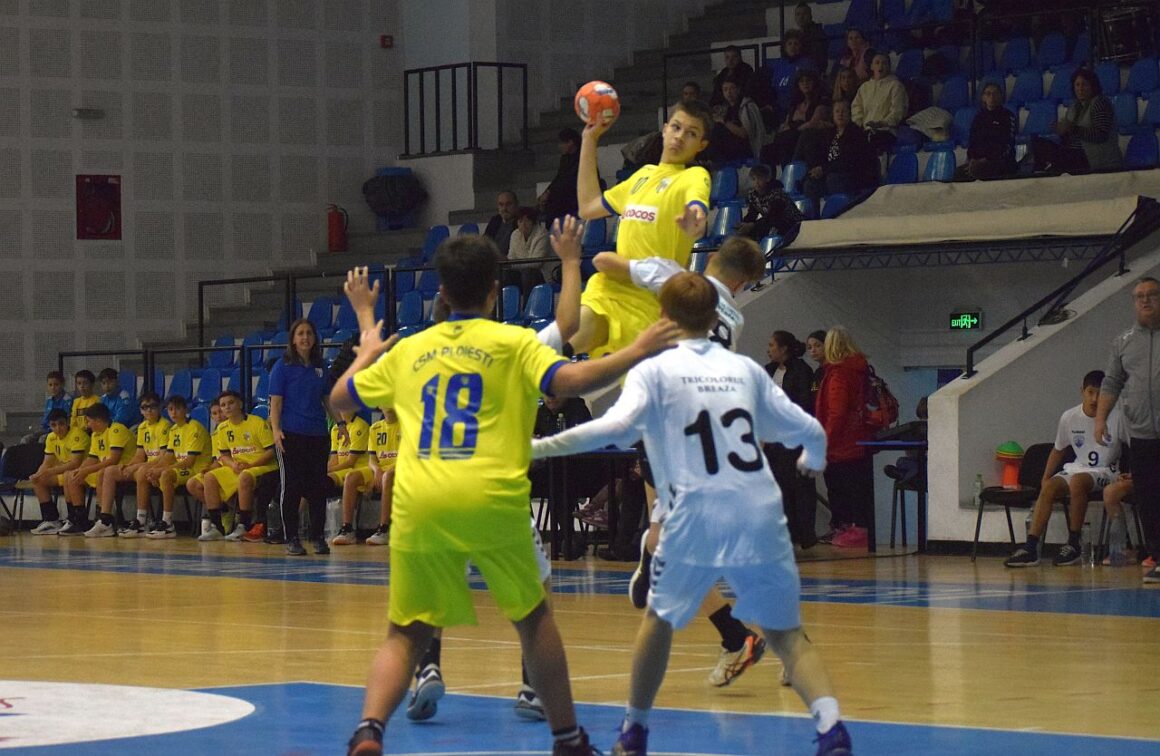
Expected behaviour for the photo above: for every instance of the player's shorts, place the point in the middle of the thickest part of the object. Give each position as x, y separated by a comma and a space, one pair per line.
365, 475
60, 480
93, 479
338, 477
767, 594
185, 474
431, 586
228, 479
541, 554
628, 309
1102, 477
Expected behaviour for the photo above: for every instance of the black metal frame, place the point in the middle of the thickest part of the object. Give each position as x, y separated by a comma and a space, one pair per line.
471, 71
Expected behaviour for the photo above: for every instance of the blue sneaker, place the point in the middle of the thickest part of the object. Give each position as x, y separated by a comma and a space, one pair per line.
836, 742
632, 742
429, 689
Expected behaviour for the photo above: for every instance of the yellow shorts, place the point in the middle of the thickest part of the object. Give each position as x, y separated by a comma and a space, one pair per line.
338, 477
92, 480
628, 309
431, 586
60, 480
228, 479
186, 474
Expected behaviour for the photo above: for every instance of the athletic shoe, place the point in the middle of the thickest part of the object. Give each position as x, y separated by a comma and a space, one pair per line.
162, 529
852, 537
836, 742
528, 705
344, 537
828, 538
320, 547
429, 689
294, 548
209, 531
1148, 563
582, 748
1068, 555
132, 529
1152, 575
1023, 557
274, 537
730, 664
237, 534
785, 681
101, 530
49, 527
638, 583
380, 537
632, 742
366, 741
71, 528
256, 533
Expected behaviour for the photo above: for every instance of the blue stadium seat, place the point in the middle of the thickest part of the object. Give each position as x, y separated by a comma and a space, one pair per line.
860, 13
1040, 116
540, 324
410, 309
222, 360
954, 94
209, 386
1142, 151
1016, 55
833, 205
592, 241
909, 65
1143, 76
468, 229
1126, 111
428, 285
1082, 52
724, 185
961, 126
903, 169
404, 281
807, 207
435, 237
940, 166
321, 313
1109, 75
340, 336
930, 12
984, 55
510, 304
410, 330
771, 244
836, 33
262, 411
1061, 85
723, 223
791, 177
1052, 51
201, 415
1028, 88
262, 390
346, 319
894, 12
234, 379
127, 382
283, 323
254, 338
159, 382
540, 304
1152, 111
182, 384
279, 341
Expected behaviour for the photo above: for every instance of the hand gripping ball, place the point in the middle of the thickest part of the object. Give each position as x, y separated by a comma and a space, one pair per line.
597, 102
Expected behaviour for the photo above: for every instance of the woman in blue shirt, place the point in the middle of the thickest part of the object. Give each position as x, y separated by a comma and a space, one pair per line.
299, 390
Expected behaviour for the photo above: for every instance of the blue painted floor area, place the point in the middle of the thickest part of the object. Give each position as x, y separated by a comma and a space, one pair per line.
304, 719
1092, 598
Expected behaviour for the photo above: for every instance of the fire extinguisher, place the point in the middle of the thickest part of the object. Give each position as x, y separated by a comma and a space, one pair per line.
336, 223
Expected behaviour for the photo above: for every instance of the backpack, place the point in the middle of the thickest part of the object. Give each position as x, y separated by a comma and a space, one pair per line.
881, 406
394, 195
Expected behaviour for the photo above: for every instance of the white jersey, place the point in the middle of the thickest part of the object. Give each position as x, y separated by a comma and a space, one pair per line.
550, 336
703, 413
1077, 430
652, 272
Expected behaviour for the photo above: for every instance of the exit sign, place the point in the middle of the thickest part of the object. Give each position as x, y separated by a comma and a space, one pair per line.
971, 320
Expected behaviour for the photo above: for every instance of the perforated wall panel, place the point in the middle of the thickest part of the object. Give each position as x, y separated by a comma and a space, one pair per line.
11, 242
100, 8
297, 14
253, 233
12, 352
53, 237
201, 177
249, 60
249, 12
48, 8
154, 293
152, 115
97, 161
250, 178
203, 236
343, 173
102, 251
150, 10
9, 51
297, 63
52, 174
51, 113
12, 306
200, 60
112, 125
9, 7
343, 15
201, 118
48, 52
108, 340
48, 344
62, 307
297, 120
199, 11
154, 235
343, 63
345, 123
100, 54
298, 178
151, 57
250, 119
10, 169
105, 294
302, 232
153, 177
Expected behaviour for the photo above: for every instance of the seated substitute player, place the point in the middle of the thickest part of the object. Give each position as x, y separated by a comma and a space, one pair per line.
737, 265
702, 412
465, 391
377, 475
152, 442
57, 398
187, 454
109, 442
247, 453
117, 399
65, 450
662, 210
83, 382
1094, 468
348, 451
196, 483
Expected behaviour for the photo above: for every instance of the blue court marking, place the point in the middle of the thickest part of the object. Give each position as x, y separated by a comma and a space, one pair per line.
307, 718
1091, 599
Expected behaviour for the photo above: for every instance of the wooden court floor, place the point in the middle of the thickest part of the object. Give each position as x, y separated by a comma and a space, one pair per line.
925, 640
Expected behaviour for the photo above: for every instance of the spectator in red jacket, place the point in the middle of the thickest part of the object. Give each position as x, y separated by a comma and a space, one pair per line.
849, 468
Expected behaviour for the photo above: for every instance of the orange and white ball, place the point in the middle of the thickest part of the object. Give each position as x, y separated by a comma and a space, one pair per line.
597, 103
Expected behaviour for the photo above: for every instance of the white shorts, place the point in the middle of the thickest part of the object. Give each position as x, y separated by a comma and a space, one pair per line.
541, 556
768, 595
1101, 476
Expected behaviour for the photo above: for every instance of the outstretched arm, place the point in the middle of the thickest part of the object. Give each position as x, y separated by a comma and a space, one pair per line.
565, 240
371, 347
575, 378
613, 265
588, 193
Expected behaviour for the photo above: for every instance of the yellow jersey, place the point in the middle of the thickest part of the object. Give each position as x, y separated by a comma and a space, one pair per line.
79, 405
153, 438
649, 203
357, 431
246, 441
190, 440
76, 441
116, 436
216, 440
384, 443
465, 392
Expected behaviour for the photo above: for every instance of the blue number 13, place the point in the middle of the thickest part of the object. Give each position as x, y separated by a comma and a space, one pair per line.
454, 415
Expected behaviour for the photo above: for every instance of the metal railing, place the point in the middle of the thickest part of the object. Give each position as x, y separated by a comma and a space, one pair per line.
142, 353
446, 83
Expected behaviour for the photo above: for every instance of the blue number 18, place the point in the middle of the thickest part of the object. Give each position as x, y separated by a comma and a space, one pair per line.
454, 414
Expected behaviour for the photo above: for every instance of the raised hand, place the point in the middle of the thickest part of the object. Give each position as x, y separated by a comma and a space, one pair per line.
361, 293
693, 221
658, 337
565, 237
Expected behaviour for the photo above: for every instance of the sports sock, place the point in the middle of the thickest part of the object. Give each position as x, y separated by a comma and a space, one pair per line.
825, 711
634, 716
732, 631
524, 672
142, 516
375, 727
107, 519
569, 735
432, 656
245, 517
1033, 543
48, 511
76, 515
167, 518
215, 517
1073, 537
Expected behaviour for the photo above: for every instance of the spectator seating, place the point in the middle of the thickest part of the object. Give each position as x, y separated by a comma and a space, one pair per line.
427, 286
961, 126
181, 384
941, 166
1109, 75
278, 345
283, 323
909, 66
435, 237
1126, 111
222, 359
127, 380
723, 224
1052, 51
540, 304
861, 13
468, 229
234, 379
834, 205
1082, 52
159, 381
1028, 88
1143, 77
262, 411
592, 240
410, 311
807, 207
1142, 152
1060, 89
1152, 111
337, 339
724, 185
954, 94
509, 297
321, 313
251, 340
791, 177
200, 414
262, 390
1040, 116
903, 169
1016, 55
208, 387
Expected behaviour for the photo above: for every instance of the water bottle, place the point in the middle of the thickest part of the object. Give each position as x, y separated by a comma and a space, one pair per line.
1087, 549
561, 424
1117, 533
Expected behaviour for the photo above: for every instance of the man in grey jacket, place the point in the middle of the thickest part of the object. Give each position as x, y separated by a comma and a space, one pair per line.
1133, 375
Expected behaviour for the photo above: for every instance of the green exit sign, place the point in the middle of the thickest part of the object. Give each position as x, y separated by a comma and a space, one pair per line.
971, 320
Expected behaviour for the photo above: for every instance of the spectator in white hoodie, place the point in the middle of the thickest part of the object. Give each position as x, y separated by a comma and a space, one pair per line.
880, 104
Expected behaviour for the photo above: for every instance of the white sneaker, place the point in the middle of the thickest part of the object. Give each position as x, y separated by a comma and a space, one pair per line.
528, 705
209, 532
49, 527
730, 664
344, 537
162, 530
100, 530
380, 537
237, 533
70, 528
132, 529
425, 697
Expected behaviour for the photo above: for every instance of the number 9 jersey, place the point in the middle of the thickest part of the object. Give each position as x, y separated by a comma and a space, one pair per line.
465, 394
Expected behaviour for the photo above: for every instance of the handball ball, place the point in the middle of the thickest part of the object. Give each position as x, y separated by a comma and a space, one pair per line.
597, 102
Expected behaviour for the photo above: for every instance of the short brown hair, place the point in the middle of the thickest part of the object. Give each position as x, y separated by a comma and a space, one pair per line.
741, 258
689, 300
699, 110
